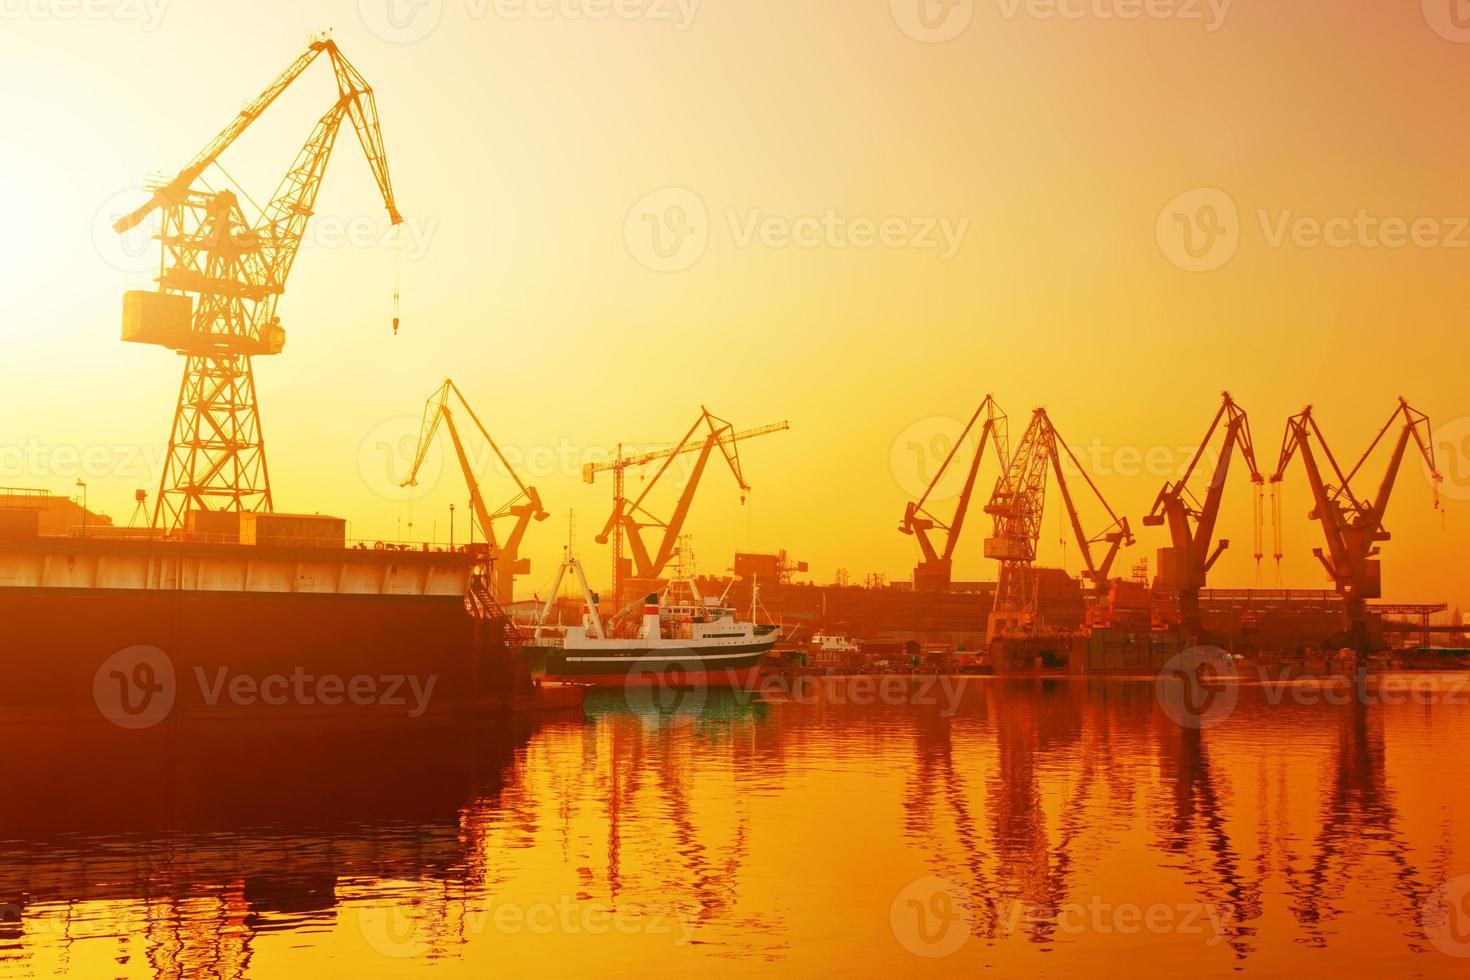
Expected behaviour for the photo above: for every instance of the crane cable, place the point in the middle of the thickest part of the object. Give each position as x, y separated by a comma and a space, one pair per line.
397, 273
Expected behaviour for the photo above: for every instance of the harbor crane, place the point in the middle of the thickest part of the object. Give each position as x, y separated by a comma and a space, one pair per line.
1017, 506
1186, 563
220, 279
1353, 525
630, 518
504, 557
935, 570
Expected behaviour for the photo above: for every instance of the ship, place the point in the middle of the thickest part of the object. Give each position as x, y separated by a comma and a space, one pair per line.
239, 615
682, 639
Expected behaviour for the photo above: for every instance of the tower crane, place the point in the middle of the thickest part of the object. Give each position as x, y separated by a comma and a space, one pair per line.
1018, 505
630, 518
936, 566
1353, 525
220, 279
525, 507
1193, 551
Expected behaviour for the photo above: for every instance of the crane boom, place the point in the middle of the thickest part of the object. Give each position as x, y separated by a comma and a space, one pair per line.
1354, 526
350, 87
1185, 565
935, 569
524, 507
1116, 534
590, 470
630, 518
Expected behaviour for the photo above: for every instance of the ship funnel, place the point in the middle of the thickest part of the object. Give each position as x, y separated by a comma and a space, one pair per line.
652, 628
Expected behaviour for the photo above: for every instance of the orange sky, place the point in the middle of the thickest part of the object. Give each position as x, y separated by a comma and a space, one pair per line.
519, 145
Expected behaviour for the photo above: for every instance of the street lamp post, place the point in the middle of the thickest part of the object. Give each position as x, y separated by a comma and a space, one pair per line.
84, 505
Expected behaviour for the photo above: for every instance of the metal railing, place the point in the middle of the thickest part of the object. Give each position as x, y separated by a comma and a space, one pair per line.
113, 533
22, 498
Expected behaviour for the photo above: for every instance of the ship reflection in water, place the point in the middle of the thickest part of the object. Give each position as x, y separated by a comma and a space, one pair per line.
1060, 825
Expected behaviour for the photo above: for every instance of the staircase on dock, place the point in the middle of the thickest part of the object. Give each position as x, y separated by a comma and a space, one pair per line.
482, 604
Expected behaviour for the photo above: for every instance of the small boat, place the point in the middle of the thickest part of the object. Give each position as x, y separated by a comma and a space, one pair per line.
682, 640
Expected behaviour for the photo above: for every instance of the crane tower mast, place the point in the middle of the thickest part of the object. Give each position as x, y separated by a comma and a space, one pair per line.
1017, 506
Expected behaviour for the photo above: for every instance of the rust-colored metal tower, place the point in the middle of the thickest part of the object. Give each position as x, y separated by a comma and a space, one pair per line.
1017, 505
220, 278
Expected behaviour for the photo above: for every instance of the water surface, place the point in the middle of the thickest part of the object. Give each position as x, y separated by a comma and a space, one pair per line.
1022, 826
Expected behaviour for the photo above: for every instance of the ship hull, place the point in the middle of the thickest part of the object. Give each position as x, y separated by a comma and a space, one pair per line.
137, 633
674, 666
77, 652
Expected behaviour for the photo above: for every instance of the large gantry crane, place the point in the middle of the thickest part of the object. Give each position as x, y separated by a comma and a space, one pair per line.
630, 518
1353, 525
935, 570
1018, 505
523, 508
1193, 551
221, 276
